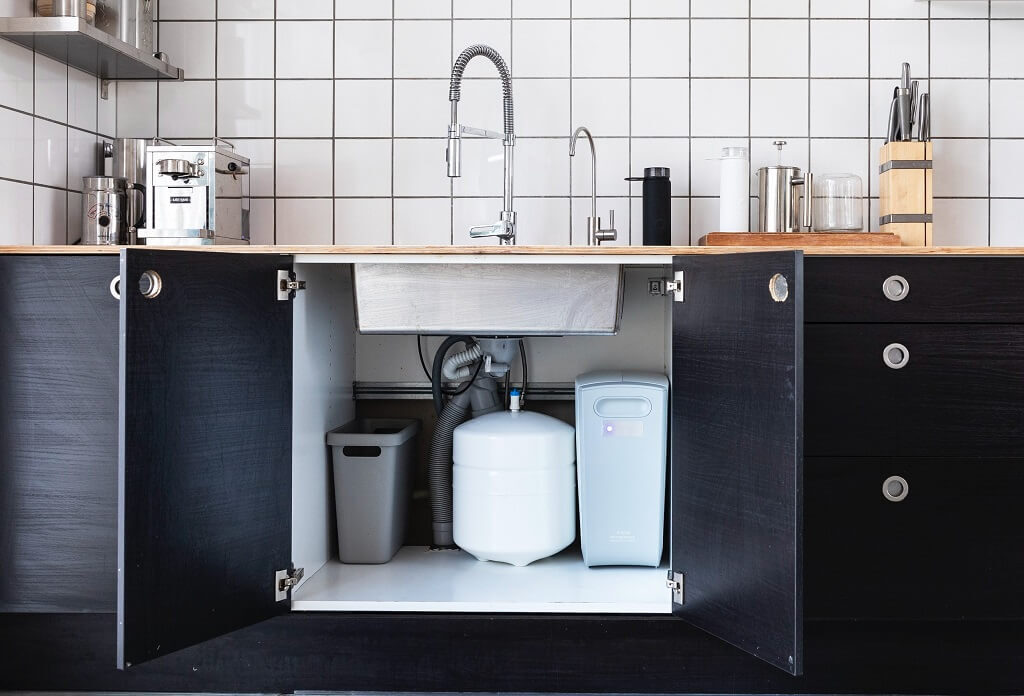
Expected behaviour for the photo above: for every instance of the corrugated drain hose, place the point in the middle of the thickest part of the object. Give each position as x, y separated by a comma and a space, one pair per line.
454, 414
436, 383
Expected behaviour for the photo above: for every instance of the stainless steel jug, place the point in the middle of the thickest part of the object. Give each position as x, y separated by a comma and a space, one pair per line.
784, 198
129, 163
103, 210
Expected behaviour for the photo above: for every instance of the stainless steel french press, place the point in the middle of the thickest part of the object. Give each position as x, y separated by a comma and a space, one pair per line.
784, 198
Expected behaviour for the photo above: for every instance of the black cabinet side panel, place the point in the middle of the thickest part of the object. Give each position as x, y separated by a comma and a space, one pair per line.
516, 654
206, 461
737, 419
58, 433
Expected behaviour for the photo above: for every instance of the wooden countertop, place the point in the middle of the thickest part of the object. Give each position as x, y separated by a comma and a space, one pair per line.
555, 251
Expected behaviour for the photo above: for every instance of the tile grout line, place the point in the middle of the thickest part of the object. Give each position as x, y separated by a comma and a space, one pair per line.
989, 86
629, 123
689, 121
572, 123
451, 181
334, 122
393, 90
273, 116
872, 177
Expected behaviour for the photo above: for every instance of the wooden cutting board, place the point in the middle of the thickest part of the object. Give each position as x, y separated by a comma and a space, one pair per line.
831, 239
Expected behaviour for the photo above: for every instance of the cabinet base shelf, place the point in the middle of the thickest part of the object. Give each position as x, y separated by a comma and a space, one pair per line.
419, 580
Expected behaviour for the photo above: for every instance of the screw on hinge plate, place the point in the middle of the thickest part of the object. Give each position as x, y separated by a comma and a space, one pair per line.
287, 285
677, 583
661, 287
285, 580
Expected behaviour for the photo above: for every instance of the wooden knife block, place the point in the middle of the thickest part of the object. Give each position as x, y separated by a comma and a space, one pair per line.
905, 191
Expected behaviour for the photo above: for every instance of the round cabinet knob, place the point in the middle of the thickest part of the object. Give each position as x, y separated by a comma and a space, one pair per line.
896, 356
895, 489
150, 284
896, 288
115, 287
778, 286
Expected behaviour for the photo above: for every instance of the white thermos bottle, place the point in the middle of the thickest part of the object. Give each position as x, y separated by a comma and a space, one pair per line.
734, 196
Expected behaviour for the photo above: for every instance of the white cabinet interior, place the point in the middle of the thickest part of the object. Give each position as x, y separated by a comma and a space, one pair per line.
329, 357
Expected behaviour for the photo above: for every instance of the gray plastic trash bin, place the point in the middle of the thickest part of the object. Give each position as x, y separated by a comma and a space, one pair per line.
373, 474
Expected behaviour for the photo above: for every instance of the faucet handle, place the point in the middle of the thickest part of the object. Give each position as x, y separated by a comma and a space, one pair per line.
492, 230
501, 228
607, 235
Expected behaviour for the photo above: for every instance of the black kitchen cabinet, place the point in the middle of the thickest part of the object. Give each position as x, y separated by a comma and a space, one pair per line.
205, 433
206, 507
58, 433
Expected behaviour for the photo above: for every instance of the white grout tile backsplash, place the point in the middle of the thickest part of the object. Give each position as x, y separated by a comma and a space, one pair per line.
342, 107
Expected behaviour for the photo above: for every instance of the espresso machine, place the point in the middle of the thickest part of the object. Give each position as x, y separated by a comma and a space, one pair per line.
784, 198
196, 195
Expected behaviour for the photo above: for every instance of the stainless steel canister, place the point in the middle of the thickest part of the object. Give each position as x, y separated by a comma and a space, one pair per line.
129, 20
103, 210
86, 9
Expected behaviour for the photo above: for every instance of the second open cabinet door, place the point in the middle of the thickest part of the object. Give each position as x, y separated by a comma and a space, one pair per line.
737, 420
204, 489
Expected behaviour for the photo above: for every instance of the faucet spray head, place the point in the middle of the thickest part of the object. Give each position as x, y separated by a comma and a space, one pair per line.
453, 153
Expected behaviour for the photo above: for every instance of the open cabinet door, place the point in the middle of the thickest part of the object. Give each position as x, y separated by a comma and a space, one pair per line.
204, 488
737, 471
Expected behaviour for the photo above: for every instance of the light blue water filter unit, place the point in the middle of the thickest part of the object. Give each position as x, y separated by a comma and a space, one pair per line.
621, 453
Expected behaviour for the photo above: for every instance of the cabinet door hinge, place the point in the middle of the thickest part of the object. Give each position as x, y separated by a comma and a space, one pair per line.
661, 287
287, 285
677, 583
285, 580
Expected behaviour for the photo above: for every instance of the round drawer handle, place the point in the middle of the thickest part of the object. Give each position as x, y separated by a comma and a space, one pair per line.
778, 287
896, 288
115, 287
895, 489
896, 356
150, 284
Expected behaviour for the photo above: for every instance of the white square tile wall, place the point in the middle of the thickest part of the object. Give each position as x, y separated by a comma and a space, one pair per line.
52, 125
342, 106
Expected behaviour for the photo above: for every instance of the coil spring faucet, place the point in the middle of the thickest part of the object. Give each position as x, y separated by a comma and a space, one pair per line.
505, 227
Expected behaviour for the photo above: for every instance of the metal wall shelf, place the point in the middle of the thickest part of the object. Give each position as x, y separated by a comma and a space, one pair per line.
77, 43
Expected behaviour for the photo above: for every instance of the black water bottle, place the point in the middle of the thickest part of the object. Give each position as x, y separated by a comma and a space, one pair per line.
657, 206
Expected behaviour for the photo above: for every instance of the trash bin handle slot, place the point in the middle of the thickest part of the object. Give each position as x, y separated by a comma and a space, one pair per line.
360, 451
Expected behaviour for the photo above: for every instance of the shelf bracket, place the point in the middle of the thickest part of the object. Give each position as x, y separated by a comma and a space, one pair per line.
105, 89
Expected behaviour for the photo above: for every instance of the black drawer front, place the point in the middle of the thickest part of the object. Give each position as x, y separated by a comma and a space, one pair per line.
961, 392
948, 289
952, 548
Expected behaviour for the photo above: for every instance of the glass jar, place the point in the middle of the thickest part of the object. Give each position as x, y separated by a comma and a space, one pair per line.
86, 9
839, 203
